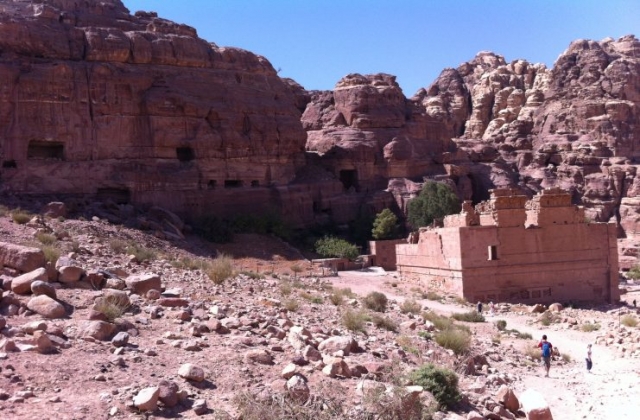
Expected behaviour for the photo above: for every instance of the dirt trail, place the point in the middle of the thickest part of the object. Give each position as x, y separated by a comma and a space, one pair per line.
610, 392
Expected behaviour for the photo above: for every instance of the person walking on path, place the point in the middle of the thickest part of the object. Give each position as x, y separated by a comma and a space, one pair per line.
588, 359
547, 349
479, 307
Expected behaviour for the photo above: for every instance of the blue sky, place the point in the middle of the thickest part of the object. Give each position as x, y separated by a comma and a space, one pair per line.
317, 42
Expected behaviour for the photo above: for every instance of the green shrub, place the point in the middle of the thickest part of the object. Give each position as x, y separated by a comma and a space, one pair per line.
376, 301
45, 238
634, 272
433, 296
425, 334
291, 305
454, 339
629, 321
331, 247
285, 288
520, 335
141, 252
118, 246
384, 322
113, 307
435, 201
407, 344
410, 306
471, 316
187, 263
442, 383
220, 269
440, 322
354, 320
51, 253
267, 223
20, 216
590, 327
501, 324
385, 226
296, 269
338, 296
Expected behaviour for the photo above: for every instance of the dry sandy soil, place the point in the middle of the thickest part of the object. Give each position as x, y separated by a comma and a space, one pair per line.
85, 380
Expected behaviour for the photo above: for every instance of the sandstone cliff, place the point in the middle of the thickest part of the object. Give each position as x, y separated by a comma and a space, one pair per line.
96, 101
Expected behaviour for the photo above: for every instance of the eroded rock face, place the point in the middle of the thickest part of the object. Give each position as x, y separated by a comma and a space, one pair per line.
132, 107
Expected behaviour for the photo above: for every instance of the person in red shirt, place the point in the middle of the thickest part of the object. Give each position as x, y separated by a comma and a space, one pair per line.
547, 350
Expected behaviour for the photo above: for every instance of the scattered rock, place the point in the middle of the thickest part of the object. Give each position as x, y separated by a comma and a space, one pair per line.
191, 372
22, 284
46, 307
40, 287
147, 399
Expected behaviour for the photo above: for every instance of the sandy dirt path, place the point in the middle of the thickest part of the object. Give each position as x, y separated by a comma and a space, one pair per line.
610, 392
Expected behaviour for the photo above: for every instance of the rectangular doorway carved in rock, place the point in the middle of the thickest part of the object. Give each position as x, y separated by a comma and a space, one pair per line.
232, 183
45, 150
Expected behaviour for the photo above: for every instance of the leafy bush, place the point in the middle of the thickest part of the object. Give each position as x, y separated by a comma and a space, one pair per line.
441, 382
590, 327
20, 216
501, 324
291, 305
113, 307
385, 226
629, 321
141, 252
267, 223
471, 316
433, 296
118, 246
354, 320
51, 253
435, 201
45, 238
410, 306
520, 335
338, 295
440, 322
331, 247
384, 322
454, 339
220, 269
376, 301
285, 288
296, 269
634, 272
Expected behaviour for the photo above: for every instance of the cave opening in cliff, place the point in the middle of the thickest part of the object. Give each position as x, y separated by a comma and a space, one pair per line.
7, 164
185, 154
117, 195
349, 178
212, 184
232, 183
45, 150
255, 183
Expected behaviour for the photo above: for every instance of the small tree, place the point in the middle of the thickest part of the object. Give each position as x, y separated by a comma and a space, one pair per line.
385, 226
435, 201
330, 247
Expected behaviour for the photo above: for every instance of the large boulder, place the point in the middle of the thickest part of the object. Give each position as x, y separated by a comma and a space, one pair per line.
22, 284
142, 283
46, 307
535, 406
346, 344
22, 258
508, 398
99, 330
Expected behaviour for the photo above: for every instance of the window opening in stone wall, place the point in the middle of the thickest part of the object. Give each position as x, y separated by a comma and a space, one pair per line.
212, 184
255, 183
232, 183
185, 154
9, 164
117, 195
349, 178
493, 252
45, 150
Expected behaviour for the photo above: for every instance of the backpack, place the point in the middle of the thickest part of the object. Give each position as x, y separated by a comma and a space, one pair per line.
546, 349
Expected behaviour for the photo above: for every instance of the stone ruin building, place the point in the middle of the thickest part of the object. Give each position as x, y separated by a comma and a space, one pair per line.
511, 249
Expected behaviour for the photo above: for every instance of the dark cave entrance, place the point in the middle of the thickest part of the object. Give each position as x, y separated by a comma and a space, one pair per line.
349, 178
